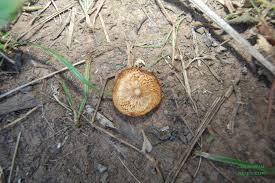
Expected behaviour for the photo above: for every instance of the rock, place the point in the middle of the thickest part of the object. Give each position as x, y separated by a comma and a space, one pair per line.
101, 168
201, 30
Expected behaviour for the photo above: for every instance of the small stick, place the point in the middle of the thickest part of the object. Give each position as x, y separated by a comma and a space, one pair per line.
71, 28
20, 118
128, 169
14, 156
100, 98
104, 27
7, 58
234, 34
39, 79
99, 7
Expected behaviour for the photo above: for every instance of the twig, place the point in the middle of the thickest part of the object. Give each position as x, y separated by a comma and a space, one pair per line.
40, 24
128, 170
7, 58
99, 7
205, 122
100, 98
233, 33
71, 28
20, 118
104, 27
14, 156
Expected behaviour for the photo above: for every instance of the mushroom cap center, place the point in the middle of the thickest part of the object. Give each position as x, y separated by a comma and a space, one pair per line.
137, 92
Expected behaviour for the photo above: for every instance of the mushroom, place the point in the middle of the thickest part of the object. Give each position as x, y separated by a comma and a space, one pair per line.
136, 92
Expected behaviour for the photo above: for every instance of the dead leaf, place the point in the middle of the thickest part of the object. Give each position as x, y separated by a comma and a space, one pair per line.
147, 146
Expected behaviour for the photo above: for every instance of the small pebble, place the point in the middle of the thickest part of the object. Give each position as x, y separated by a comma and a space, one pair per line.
101, 168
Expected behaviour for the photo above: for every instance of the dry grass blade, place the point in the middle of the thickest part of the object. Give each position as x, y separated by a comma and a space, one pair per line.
99, 101
40, 12
71, 28
13, 157
55, 7
128, 169
104, 28
184, 73
42, 22
165, 13
7, 58
99, 7
38, 80
20, 119
85, 5
86, 90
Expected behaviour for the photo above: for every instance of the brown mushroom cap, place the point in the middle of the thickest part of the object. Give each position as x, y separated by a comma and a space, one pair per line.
136, 92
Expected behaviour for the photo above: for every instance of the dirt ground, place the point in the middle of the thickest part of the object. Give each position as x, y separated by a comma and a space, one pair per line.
52, 149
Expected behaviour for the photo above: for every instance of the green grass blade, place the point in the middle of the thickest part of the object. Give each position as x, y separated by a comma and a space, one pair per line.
68, 94
86, 90
68, 64
236, 162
